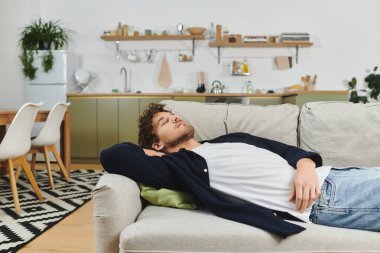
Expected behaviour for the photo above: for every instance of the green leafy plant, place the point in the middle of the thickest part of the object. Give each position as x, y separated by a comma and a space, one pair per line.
41, 35
373, 84
354, 97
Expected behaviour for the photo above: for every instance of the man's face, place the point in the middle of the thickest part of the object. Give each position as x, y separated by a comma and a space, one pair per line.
170, 130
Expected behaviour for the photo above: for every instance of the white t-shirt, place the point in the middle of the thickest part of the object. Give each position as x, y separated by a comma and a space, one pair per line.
253, 174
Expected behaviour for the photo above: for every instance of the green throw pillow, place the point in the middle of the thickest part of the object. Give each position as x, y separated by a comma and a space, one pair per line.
166, 197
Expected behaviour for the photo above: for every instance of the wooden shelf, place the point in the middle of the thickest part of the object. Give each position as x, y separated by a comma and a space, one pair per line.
261, 44
153, 37
294, 44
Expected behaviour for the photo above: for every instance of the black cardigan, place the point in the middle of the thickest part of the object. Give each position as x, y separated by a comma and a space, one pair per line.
187, 171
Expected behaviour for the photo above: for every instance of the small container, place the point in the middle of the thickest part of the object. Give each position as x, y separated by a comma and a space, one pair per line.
125, 30
218, 34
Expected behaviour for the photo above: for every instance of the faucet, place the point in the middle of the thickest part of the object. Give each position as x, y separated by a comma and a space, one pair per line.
126, 88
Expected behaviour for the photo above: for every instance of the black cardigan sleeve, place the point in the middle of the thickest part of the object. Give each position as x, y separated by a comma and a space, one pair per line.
129, 160
290, 153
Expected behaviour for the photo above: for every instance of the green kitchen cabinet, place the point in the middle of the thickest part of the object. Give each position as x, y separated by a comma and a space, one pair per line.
84, 130
190, 98
128, 114
107, 124
265, 100
144, 102
302, 98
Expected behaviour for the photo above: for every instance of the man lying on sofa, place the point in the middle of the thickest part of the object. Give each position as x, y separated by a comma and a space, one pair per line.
269, 181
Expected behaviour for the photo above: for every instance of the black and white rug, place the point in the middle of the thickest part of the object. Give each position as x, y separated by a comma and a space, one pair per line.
35, 218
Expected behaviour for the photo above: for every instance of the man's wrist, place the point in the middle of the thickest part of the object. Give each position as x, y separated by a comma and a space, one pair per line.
305, 163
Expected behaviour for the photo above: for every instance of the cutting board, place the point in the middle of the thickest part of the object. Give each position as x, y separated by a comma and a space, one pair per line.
164, 77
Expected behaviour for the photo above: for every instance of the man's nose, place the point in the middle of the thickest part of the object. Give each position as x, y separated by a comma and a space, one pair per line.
176, 118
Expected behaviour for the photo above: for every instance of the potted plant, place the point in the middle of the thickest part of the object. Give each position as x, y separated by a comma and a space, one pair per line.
40, 35
373, 84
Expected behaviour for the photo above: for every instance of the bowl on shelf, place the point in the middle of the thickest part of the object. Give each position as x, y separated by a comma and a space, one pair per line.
196, 30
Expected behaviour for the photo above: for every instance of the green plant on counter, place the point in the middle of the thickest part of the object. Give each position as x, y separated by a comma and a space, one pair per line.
354, 97
373, 84
40, 35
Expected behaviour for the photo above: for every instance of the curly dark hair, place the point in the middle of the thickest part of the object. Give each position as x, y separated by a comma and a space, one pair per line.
146, 135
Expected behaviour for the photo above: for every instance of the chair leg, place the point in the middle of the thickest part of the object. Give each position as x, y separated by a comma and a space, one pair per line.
60, 163
12, 182
33, 164
18, 172
46, 154
31, 178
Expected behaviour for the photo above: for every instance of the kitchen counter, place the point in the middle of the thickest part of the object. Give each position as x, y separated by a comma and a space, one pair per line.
205, 94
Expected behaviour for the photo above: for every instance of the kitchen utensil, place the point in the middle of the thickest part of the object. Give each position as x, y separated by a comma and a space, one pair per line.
164, 77
196, 30
314, 80
149, 55
118, 54
180, 28
217, 87
201, 82
132, 57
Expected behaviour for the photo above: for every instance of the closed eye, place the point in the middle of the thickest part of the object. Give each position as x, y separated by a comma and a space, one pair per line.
166, 121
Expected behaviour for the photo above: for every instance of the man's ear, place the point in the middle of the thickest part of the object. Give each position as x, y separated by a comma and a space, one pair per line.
157, 146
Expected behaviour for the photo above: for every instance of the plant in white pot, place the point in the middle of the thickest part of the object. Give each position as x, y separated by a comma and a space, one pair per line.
41, 35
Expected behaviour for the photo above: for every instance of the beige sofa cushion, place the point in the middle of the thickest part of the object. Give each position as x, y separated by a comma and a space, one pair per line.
161, 229
276, 122
207, 119
345, 134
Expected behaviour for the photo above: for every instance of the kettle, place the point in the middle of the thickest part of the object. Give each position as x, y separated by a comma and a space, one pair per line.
217, 87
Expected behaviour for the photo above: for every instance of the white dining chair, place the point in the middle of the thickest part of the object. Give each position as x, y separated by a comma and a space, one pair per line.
47, 138
15, 146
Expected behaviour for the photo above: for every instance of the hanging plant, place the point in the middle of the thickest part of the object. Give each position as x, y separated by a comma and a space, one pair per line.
40, 35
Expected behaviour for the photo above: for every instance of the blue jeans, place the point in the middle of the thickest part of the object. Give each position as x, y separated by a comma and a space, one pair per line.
350, 198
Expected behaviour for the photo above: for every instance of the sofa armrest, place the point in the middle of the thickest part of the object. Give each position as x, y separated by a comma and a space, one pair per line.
117, 204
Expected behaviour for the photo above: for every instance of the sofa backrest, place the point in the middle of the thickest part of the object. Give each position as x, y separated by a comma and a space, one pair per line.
207, 119
276, 122
345, 134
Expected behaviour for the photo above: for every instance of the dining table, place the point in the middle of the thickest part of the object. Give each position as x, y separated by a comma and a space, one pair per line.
7, 116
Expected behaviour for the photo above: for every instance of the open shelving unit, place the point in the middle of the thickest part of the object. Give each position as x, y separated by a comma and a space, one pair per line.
296, 45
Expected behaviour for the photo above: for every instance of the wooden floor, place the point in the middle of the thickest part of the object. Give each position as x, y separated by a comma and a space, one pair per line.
74, 234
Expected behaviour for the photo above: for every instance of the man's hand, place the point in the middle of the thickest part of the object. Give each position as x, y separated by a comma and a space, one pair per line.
305, 187
151, 152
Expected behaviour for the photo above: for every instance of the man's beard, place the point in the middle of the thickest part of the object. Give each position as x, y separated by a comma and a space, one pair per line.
187, 135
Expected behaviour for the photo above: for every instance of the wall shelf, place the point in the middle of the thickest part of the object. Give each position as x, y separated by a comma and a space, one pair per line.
297, 45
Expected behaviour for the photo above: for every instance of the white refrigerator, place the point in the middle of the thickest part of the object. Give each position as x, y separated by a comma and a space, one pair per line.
52, 87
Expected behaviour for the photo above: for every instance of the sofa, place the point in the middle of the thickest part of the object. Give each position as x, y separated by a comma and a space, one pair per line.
345, 134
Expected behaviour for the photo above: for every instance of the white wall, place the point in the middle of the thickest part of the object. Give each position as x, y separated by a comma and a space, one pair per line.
14, 14
345, 34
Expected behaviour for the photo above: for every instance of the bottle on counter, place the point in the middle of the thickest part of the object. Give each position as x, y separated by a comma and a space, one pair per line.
119, 30
248, 87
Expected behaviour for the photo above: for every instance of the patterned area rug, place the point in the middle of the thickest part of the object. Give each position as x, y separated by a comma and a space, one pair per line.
36, 218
